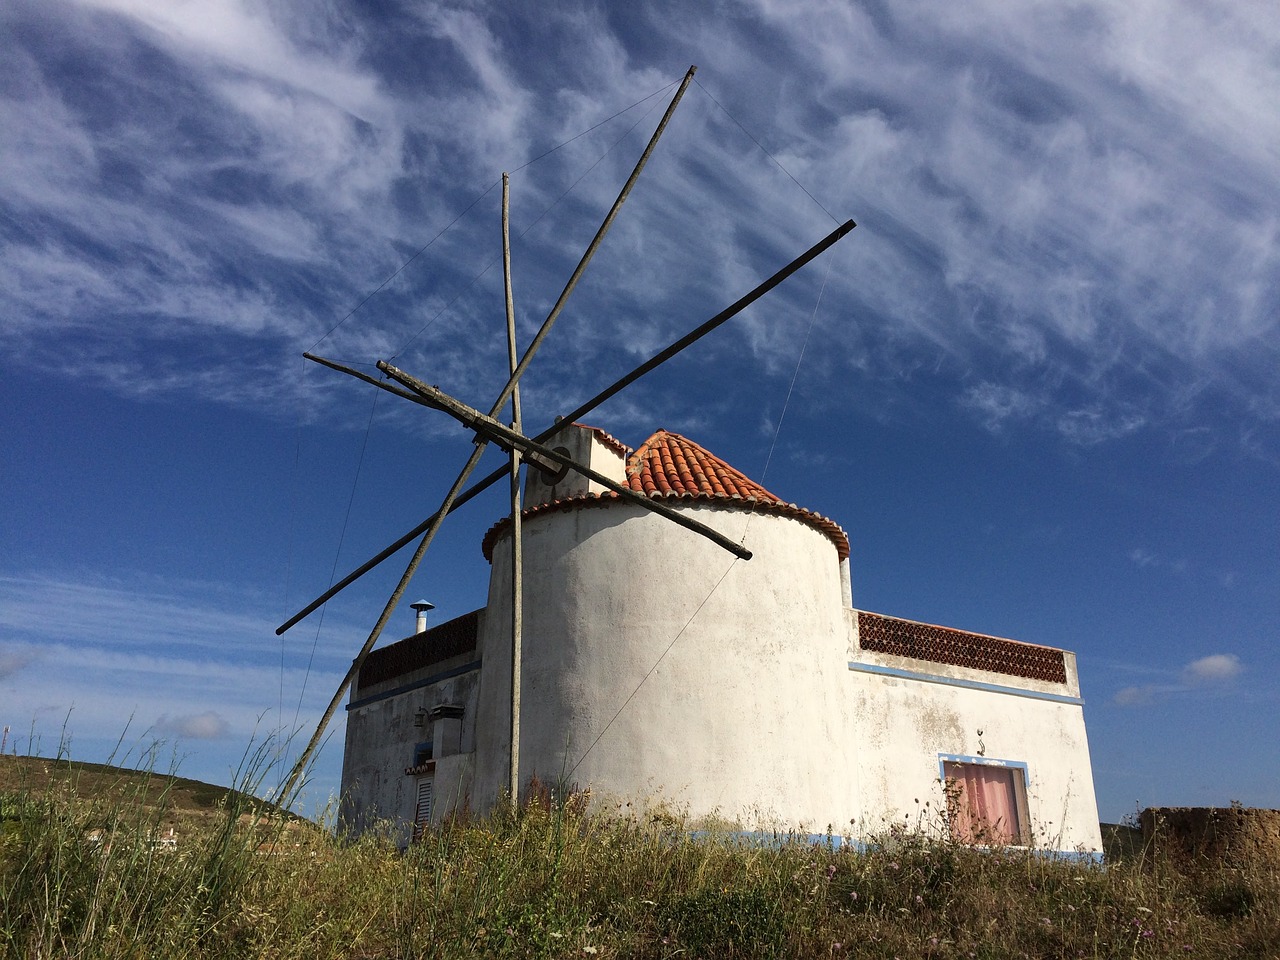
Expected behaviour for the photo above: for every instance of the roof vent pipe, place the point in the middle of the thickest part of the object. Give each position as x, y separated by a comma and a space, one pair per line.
421, 608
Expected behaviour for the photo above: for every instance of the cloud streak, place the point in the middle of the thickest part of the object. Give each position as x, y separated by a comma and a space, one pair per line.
1087, 224
208, 725
176, 659
1215, 672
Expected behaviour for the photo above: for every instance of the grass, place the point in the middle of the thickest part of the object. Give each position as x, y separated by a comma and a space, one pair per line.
177, 802
558, 881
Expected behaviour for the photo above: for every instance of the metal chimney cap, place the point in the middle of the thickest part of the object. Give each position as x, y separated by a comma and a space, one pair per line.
422, 606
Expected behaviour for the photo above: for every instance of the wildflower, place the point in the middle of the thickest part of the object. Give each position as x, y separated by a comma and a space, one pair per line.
590, 949
853, 895
919, 899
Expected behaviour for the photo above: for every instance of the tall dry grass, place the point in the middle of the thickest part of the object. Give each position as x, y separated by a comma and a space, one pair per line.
554, 880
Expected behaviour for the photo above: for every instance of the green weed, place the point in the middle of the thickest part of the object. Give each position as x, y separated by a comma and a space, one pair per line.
554, 879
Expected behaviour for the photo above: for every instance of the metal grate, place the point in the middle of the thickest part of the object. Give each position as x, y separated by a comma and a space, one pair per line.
922, 641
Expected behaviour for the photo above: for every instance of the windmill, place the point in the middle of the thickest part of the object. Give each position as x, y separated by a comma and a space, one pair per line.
532, 451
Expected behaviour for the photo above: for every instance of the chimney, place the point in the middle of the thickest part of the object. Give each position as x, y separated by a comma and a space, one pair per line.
421, 607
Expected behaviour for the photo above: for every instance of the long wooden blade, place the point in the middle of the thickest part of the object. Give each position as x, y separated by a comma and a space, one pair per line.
473, 419
473, 461
647, 367
517, 549
591, 247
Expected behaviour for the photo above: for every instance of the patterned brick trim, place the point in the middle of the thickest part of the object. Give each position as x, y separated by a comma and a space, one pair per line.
450, 639
922, 641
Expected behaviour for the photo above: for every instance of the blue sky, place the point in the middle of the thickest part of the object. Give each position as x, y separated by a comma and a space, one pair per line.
1036, 385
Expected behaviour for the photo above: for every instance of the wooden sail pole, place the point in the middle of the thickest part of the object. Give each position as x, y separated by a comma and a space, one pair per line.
648, 366
517, 547
285, 793
491, 429
533, 452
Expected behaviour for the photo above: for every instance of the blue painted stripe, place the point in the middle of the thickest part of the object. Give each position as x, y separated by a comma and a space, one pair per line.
967, 684
945, 758
416, 685
768, 840
773, 841
986, 761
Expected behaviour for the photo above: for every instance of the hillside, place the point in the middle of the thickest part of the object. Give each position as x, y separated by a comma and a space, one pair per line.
168, 801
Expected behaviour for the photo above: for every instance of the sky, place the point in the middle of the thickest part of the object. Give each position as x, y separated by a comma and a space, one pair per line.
1036, 385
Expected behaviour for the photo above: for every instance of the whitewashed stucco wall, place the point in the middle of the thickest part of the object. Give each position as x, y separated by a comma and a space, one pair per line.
657, 668
380, 740
747, 715
904, 725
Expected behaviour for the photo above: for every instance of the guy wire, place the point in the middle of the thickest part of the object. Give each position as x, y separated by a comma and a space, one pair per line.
355, 482
753, 139
729, 569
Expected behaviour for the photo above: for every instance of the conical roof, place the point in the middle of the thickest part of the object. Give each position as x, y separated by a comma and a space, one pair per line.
668, 463
671, 466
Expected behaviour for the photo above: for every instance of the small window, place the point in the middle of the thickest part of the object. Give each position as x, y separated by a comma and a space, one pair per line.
422, 752
422, 811
986, 801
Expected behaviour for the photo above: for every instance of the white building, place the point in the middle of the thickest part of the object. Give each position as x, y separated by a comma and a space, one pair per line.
658, 667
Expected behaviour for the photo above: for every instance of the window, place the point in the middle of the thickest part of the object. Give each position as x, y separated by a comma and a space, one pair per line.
986, 800
422, 812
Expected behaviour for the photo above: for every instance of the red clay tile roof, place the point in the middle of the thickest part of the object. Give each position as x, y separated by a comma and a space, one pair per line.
669, 466
668, 463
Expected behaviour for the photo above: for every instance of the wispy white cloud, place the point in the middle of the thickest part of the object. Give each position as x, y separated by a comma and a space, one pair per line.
1215, 672
1136, 696
1082, 227
1090, 427
997, 405
178, 659
1213, 669
12, 661
1143, 558
208, 725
